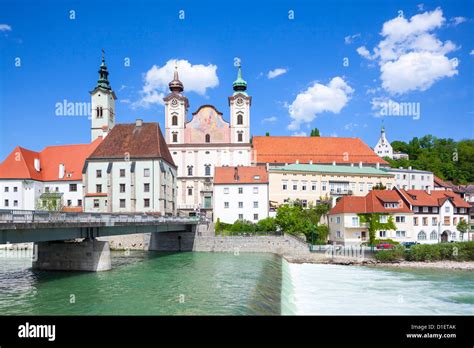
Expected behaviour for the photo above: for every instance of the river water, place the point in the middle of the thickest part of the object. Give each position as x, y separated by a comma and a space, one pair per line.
152, 283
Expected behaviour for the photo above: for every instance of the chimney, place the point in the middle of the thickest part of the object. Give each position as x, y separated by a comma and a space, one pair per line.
236, 174
352, 164
333, 163
310, 161
138, 122
429, 190
377, 165
61, 171
297, 162
400, 167
409, 168
360, 164
37, 164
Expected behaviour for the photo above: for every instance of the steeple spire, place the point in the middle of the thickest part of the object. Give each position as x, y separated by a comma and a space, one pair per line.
103, 81
239, 85
176, 85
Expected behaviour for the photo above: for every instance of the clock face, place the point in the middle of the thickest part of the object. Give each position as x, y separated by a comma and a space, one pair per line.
174, 103
239, 102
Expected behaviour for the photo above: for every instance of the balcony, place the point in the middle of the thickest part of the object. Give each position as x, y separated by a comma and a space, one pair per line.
340, 192
359, 225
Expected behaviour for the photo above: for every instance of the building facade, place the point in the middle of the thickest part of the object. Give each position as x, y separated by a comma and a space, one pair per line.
240, 193
131, 171
412, 179
347, 225
204, 142
312, 182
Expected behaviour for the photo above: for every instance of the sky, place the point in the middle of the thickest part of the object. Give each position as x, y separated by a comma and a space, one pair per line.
345, 67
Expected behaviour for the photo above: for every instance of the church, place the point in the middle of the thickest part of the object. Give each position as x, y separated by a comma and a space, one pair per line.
205, 140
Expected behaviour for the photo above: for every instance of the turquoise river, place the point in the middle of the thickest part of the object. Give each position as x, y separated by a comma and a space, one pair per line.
152, 283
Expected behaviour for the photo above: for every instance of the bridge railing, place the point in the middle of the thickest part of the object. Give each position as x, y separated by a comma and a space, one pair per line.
39, 216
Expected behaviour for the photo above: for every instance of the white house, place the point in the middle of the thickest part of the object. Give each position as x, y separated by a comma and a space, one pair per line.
412, 179
384, 149
240, 193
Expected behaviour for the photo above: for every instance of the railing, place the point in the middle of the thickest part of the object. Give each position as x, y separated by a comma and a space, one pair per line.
341, 192
38, 216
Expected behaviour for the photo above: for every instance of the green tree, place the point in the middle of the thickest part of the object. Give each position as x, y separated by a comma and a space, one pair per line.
462, 227
266, 225
218, 226
379, 186
267, 134
314, 132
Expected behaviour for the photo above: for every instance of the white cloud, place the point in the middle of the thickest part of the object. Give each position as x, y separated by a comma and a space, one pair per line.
196, 78
351, 126
410, 55
317, 99
457, 20
421, 7
271, 119
471, 53
5, 27
276, 72
350, 38
125, 101
300, 134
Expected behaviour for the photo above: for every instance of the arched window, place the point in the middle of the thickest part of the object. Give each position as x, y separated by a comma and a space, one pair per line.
240, 137
421, 235
453, 235
190, 170
208, 138
175, 137
100, 112
174, 121
207, 170
240, 119
434, 235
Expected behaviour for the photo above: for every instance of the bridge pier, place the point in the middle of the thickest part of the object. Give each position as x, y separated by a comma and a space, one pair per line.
90, 255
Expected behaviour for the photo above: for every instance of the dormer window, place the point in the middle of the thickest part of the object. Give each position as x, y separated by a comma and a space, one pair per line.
392, 205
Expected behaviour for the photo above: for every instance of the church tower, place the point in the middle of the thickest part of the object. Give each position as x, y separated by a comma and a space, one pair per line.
383, 147
176, 110
239, 104
103, 104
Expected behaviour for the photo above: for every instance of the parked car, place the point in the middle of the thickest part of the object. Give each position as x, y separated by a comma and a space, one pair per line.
385, 246
409, 244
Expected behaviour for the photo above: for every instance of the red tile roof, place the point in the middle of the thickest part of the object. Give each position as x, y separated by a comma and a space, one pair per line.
240, 175
441, 183
20, 164
373, 202
287, 149
435, 198
145, 141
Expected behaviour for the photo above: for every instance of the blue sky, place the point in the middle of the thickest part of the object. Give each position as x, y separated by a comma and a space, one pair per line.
60, 57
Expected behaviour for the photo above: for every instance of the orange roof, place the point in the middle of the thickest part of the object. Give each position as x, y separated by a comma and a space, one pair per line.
288, 149
20, 164
435, 198
438, 182
373, 202
241, 175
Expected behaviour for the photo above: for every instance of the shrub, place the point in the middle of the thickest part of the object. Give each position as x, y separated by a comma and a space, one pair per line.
391, 255
386, 240
463, 251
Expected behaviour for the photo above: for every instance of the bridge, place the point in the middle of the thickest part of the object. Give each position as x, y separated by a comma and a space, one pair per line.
56, 234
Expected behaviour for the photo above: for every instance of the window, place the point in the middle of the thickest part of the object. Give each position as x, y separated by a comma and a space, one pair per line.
226, 204
338, 234
122, 188
72, 187
338, 220
226, 190
421, 235
446, 221
241, 204
146, 202
240, 137
255, 204
400, 219
98, 188
383, 234
369, 186
323, 185
400, 234
46, 189
255, 216
15, 203
207, 170
434, 221
383, 219
241, 216
413, 177
15, 189
146, 172
447, 209
415, 221
241, 190
295, 186
433, 235
99, 112
6, 188
146, 187
453, 235
175, 137
255, 190
240, 119
122, 173
416, 209
313, 186
122, 203
425, 209
435, 209
190, 191
208, 138
284, 185
190, 170
174, 121
455, 221
79, 202
361, 187
425, 221
355, 221
303, 186
98, 173
96, 203
304, 203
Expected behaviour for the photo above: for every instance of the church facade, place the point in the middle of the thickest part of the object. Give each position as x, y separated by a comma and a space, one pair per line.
204, 141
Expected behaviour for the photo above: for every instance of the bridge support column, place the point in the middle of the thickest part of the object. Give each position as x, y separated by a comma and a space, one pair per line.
88, 255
